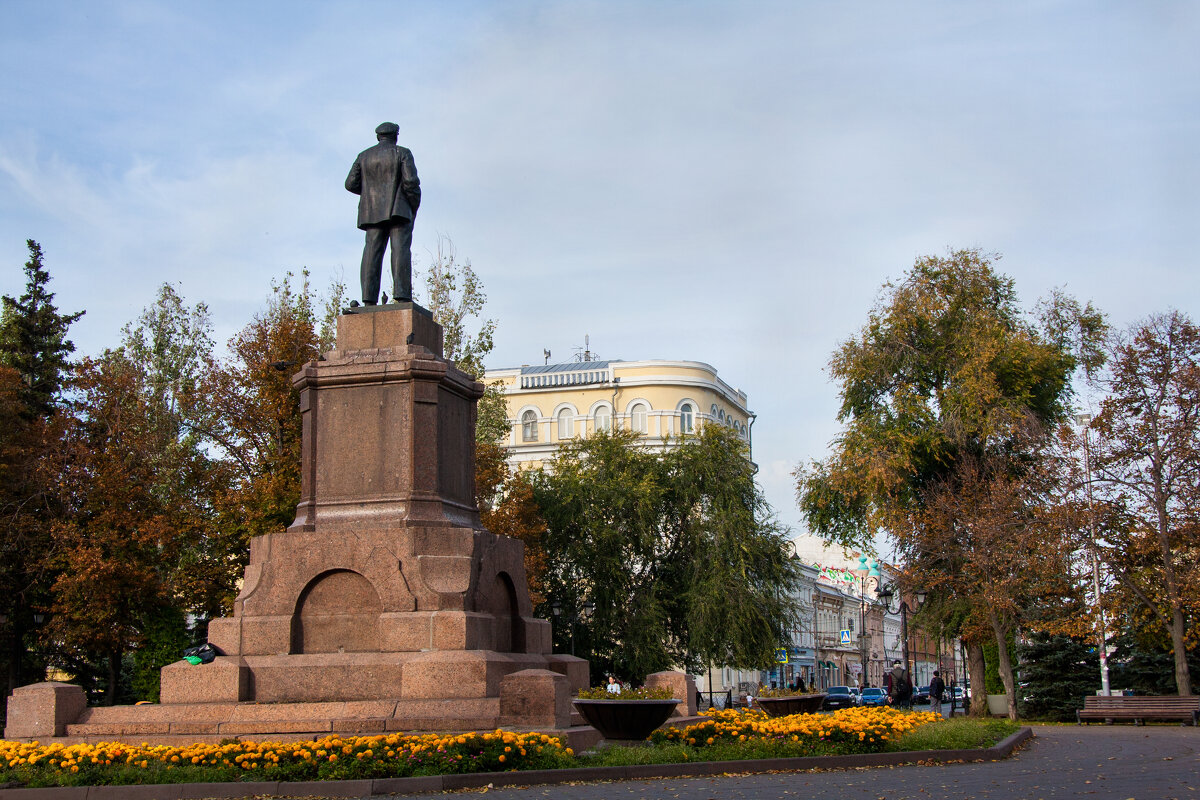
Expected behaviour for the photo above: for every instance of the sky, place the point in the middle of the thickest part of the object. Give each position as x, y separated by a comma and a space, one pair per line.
726, 182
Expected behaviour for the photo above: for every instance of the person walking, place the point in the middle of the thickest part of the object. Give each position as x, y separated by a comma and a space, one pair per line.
937, 688
900, 693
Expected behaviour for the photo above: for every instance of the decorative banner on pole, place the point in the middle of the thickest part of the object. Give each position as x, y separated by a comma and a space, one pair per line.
835, 575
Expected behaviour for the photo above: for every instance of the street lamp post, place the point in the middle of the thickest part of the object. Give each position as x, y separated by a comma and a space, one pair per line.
868, 571
582, 615
1085, 421
886, 593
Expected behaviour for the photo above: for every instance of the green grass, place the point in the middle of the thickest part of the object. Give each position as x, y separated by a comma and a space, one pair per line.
960, 733
955, 734
674, 753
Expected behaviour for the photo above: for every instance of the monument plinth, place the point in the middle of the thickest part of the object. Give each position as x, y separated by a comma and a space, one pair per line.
385, 605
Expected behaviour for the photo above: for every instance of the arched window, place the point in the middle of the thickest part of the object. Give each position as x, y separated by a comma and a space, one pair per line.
685, 418
721, 415
603, 419
637, 418
566, 423
529, 426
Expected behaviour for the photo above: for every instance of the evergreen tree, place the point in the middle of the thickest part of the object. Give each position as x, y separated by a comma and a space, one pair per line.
33, 338
1057, 672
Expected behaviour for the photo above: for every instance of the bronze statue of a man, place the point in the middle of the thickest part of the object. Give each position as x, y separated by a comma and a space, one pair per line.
385, 178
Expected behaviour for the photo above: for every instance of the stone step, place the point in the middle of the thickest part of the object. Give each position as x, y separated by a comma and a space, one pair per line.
264, 719
271, 712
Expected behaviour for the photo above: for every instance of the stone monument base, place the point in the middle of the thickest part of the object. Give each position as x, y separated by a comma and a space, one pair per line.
524, 699
385, 605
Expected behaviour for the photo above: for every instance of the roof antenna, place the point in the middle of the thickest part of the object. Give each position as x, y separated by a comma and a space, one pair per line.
587, 354
546, 353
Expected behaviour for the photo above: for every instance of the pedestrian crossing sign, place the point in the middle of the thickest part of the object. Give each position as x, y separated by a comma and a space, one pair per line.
845, 636
781, 655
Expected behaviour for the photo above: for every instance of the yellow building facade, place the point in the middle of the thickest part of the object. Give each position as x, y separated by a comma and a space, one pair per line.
662, 400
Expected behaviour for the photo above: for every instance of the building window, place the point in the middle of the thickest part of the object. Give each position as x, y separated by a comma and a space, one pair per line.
721, 415
685, 418
566, 424
603, 419
637, 418
529, 426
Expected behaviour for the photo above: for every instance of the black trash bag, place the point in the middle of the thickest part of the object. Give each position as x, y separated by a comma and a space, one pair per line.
206, 652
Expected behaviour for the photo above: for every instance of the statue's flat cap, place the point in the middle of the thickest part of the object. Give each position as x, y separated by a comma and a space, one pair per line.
387, 129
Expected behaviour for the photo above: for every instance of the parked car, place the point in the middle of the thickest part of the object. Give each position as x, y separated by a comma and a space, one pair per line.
921, 695
838, 697
873, 697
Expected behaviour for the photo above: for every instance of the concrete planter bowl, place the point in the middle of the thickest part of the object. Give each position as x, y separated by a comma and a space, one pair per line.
625, 720
786, 706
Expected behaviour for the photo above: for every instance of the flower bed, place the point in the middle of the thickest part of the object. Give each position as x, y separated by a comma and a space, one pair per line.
333, 757
851, 730
724, 735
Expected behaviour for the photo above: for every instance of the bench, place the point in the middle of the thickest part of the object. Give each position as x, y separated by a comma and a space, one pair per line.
1139, 709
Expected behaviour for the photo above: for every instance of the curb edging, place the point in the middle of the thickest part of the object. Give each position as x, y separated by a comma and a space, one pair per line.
442, 783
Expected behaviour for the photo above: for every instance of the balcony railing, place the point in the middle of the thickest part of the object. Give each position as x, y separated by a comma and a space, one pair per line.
578, 377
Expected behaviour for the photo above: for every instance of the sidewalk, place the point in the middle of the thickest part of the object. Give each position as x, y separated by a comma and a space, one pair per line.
1146, 763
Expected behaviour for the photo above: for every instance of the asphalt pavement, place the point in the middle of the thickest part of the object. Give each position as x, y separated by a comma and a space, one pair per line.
1157, 762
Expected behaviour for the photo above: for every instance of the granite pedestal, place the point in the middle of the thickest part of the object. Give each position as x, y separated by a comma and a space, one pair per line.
386, 597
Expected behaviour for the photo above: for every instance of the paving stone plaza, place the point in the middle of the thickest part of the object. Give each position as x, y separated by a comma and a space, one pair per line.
1155, 762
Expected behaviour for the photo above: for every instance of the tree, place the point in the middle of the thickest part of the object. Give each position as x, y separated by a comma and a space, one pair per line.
33, 338
455, 297
996, 540
34, 367
1056, 673
677, 552
1146, 463
948, 392
116, 548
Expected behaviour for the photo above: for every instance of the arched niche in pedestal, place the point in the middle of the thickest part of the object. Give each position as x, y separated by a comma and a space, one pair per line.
338, 612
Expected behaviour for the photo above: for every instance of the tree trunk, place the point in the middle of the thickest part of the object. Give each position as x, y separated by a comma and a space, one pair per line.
16, 651
1183, 677
1005, 666
114, 673
976, 669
